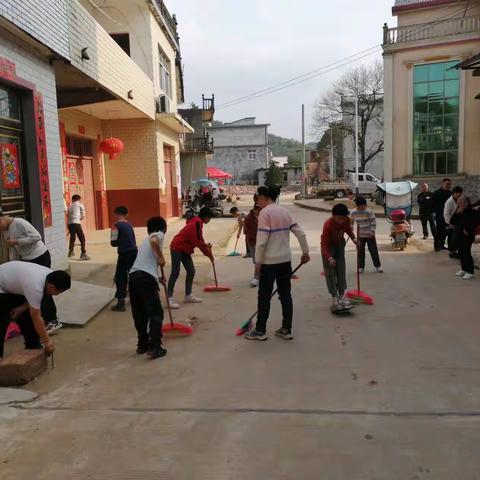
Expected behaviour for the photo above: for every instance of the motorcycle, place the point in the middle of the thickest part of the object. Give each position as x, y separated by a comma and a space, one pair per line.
397, 199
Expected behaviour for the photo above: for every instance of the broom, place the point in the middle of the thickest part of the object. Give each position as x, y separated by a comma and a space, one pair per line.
174, 326
357, 295
234, 253
247, 325
216, 287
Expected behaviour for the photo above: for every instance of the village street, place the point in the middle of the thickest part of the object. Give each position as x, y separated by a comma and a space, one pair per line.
390, 392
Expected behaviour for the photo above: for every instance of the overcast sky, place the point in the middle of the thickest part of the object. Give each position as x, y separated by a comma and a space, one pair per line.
235, 47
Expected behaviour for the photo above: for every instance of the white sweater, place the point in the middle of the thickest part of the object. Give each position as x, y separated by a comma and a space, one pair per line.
273, 236
449, 209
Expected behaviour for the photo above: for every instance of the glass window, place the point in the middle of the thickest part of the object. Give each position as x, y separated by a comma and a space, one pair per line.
435, 119
9, 105
252, 154
164, 73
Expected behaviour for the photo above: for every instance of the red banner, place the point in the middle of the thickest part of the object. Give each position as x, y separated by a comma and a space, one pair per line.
10, 167
42, 160
63, 145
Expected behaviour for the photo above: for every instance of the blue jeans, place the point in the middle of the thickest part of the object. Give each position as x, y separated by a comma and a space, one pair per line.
186, 260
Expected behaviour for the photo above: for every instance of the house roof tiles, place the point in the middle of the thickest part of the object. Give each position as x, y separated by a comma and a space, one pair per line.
413, 4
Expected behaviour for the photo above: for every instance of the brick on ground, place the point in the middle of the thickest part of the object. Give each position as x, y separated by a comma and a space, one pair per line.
21, 367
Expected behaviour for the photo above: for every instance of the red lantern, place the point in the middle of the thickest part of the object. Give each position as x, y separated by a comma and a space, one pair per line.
112, 146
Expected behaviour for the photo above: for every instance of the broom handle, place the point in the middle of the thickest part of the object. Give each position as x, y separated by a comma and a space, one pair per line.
214, 272
358, 259
236, 245
275, 291
166, 296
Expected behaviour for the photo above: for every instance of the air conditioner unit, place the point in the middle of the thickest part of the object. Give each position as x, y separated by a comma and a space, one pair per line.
163, 104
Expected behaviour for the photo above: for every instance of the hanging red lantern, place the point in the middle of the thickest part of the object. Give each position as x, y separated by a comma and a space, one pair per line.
113, 146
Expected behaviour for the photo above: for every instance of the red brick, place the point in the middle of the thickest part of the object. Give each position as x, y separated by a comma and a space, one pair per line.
22, 367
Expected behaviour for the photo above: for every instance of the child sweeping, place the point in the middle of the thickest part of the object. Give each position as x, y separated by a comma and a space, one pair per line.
250, 227
333, 253
143, 285
181, 250
241, 216
367, 224
123, 237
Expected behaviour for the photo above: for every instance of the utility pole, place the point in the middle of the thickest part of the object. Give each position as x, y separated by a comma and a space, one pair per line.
332, 172
356, 143
304, 169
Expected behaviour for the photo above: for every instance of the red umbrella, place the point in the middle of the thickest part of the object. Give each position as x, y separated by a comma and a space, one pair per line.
214, 172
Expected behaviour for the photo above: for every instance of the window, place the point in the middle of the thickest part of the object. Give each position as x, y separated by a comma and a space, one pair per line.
9, 105
252, 154
79, 147
164, 73
360, 177
370, 178
436, 92
123, 41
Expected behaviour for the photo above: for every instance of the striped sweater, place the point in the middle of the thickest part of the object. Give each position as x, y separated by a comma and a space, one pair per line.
273, 236
366, 222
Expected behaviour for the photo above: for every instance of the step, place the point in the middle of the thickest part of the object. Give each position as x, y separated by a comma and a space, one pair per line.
22, 367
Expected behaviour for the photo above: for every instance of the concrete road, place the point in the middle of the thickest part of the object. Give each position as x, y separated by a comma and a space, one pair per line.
391, 392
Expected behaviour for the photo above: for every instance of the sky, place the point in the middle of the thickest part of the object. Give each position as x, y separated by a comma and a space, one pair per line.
235, 47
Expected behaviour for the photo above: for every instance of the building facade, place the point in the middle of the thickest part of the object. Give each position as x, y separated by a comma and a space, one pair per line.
240, 148
431, 117
197, 147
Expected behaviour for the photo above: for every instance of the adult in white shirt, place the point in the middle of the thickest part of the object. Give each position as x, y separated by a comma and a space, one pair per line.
448, 211
76, 213
23, 286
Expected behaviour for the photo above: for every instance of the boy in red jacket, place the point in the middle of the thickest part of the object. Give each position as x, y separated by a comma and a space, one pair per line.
333, 252
181, 249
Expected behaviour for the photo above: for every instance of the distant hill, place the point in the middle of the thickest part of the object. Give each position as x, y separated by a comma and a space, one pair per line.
287, 147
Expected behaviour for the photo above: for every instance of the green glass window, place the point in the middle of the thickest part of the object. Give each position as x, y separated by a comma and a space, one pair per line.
436, 92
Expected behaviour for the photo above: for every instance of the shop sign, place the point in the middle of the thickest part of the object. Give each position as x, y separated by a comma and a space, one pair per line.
10, 166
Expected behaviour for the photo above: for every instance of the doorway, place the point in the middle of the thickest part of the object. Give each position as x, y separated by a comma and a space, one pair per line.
168, 159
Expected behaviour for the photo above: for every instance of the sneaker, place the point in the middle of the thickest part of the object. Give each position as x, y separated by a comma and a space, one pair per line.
71, 254
173, 304
454, 255
119, 307
84, 256
334, 302
141, 349
53, 327
461, 273
379, 269
344, 301
192, 299
253, 282
284, 333
156, 352
468, 276
254, 335
361, 270
247, 255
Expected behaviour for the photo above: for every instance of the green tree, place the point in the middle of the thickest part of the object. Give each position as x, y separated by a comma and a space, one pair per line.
273, 176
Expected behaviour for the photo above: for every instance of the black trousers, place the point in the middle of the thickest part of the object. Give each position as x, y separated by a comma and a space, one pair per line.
147, 309
427, 219
440, 230
452, 240
465, 253
186, 260
281, 274
48, 304
76, 230
8, 302
371, 242
125, 262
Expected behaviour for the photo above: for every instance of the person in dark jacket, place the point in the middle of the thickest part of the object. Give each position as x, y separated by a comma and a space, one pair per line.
465, 220
439, 198
250, 227
123, 238
427, 217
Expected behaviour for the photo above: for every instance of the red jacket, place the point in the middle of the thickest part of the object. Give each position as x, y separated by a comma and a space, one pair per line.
333, 233
190, 237
250, 227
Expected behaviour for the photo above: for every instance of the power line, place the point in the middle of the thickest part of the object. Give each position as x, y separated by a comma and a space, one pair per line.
326, 68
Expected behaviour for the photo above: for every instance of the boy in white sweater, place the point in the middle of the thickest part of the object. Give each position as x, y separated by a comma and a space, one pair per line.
274, 257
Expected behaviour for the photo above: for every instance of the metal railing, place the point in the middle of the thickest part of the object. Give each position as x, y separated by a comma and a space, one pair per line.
170, 20
208, 103
425, 31
193, 145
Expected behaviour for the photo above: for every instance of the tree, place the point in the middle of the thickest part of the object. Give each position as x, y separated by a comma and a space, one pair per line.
273, 176
193, 105
338, 106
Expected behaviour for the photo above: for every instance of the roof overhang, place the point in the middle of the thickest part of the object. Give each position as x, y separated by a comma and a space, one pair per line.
420, 4
471, 63
175, 122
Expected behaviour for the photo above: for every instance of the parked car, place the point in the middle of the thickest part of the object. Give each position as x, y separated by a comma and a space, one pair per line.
340, 188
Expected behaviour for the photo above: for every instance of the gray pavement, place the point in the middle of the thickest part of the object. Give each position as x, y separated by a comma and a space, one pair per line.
390, 392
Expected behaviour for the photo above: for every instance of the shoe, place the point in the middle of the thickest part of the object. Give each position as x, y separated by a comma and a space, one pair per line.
437, 249
84, 256
454, 255
361, 270
253, 282
192, 299
334, 302
425, 237
284, 333
461, 273
379, 269
53, 327
173, 304
344, 301
71, 254
254, 335
119, 307
468, 276
156, 352
141, 349
247, 256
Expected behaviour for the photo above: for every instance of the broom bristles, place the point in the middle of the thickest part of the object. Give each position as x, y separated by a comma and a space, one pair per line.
360, 297
215, 288
244, 328
177, 327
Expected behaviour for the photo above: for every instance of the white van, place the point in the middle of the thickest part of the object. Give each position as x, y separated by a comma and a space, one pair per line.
367, 183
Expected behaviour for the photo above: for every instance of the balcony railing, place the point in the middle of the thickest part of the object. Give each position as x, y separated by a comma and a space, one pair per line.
426, 31
208, 103
198, 145
167, 22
